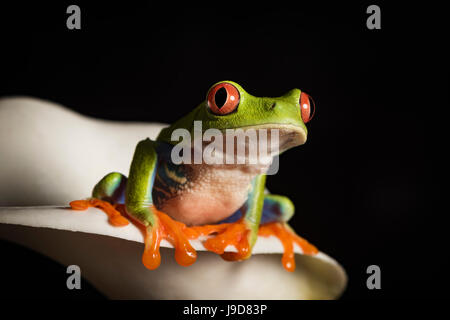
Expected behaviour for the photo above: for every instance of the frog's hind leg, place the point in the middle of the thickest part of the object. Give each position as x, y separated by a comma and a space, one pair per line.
277, 211
111, 188
277, 208
109, 196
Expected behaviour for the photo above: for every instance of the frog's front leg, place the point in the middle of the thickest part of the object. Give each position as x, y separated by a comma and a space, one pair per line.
139, 204
267, 219
243, 233
118, 197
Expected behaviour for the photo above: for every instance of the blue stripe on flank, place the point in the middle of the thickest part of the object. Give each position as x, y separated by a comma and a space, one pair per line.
119, 194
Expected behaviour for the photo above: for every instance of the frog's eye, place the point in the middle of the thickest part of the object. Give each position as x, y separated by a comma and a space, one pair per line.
307, 107
223, 99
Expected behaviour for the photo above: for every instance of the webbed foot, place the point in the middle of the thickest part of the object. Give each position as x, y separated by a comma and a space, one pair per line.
234, 234
223, 235
288, 237
177, 233
115, 217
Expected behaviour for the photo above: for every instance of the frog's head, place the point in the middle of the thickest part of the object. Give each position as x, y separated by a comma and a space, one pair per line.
229, 106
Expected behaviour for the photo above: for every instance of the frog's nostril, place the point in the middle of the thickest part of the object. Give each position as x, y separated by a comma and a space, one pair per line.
273, 105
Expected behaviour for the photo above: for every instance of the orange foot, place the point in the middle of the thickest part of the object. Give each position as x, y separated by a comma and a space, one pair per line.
115, 217
234, 234
177, 233
287, 238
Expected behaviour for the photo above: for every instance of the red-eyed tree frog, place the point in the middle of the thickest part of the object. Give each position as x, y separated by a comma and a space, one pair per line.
224, 203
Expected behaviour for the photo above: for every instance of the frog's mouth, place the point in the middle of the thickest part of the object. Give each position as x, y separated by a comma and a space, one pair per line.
279, 137
254, 145
260, 143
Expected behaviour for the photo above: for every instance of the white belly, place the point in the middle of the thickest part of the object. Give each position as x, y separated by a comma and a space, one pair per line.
212, 194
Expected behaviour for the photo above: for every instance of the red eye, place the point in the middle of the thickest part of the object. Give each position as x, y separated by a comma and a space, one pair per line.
306, 107
223, 99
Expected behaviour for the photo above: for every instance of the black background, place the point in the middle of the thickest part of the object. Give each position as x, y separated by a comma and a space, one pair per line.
359, 183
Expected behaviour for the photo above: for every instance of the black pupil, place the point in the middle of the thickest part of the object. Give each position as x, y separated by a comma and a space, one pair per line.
221, 97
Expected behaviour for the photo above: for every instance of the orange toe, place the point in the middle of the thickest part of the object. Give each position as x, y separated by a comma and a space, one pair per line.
287, 238
152, 257
115, 217
234, 234
80, 204
177, 233
223, 235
